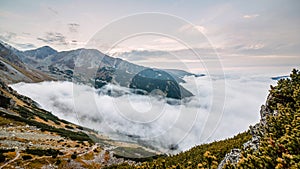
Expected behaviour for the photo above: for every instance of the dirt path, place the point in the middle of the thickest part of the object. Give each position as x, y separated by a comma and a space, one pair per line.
90, 150
17, 156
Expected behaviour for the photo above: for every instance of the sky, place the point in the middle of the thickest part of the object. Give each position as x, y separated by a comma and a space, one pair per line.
241, 35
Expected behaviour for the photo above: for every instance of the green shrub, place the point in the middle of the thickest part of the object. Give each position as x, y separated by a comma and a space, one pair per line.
26, 157
279, 148
69, 127
58, 162
2, 158
41, 152
7, 150
74, 156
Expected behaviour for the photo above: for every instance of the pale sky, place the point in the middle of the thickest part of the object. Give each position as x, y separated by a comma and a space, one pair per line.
259, 34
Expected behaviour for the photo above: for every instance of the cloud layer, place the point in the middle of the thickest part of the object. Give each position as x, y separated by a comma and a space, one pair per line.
152, 121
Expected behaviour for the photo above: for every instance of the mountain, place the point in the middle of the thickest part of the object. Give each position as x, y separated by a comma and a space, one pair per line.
279, 77
10, 56
158, 82
181, 73
13, 70
40, 53
91, 67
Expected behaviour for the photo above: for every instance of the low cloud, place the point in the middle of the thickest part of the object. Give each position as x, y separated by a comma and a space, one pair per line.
151, 120
7, 36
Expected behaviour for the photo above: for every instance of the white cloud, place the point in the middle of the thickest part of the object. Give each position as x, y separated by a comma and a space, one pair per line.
152, 120
250, 16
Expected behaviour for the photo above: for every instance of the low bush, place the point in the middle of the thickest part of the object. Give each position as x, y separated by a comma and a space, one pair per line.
26, 157
41, 152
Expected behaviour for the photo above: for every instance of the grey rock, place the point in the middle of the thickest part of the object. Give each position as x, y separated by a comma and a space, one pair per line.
257, 131
232, 157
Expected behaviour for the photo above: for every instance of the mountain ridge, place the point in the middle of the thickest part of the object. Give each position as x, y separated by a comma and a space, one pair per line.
13, 69
94, 68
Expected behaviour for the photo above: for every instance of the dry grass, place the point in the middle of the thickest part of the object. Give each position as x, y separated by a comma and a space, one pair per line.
18, 101
10, 155
5, 121
49, 122
88, 156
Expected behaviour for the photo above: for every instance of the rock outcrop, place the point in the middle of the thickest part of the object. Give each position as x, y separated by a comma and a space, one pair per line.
257, 131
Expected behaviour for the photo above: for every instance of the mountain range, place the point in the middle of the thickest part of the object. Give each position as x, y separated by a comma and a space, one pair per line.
90, 67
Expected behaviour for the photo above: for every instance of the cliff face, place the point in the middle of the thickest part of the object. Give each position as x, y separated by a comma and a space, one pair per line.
257, 131
276, 138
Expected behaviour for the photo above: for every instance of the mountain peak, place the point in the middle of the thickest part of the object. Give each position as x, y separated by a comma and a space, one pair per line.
46, 47
41, 53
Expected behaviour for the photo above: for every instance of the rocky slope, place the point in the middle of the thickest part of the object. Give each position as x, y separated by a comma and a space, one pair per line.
13, 70
257, 131
275, 139
31, 137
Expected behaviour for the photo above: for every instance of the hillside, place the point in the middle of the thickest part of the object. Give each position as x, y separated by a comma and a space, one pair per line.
272, 143
280, 135
31, 137
13, 69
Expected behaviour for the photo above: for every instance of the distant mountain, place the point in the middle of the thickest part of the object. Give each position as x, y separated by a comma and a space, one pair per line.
279, 77
13, 70
40, 53
10, 56
159, 82
182, 73
91, 67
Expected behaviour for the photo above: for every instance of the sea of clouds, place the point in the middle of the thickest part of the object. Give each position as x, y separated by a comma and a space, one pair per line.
153, 121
